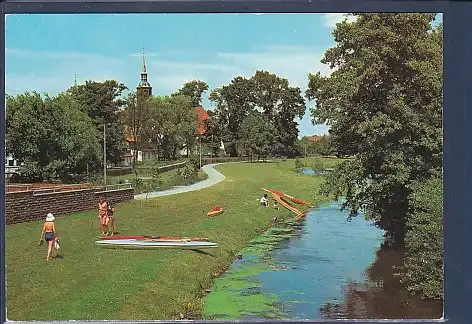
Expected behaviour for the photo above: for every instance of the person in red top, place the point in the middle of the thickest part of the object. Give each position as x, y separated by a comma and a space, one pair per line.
102, 214
110, 218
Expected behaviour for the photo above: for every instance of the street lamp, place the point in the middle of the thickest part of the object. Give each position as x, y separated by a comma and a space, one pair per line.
104, 155
200, 140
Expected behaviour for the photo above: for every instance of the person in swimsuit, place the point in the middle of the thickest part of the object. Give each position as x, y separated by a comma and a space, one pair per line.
110, 219
49, 234
102, 214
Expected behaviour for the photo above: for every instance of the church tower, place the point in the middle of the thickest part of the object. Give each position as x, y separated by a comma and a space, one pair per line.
144, 87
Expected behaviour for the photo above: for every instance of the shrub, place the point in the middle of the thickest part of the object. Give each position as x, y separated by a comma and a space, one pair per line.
422, 271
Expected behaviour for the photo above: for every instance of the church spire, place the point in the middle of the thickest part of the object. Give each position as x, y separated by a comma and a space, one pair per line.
144, 86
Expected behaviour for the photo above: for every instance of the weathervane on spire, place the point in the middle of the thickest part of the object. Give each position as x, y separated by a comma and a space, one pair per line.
144, 62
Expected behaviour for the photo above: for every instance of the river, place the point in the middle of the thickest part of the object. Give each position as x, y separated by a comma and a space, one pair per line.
325, 267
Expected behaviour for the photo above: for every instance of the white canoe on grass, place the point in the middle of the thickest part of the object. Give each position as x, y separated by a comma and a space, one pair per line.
154, 244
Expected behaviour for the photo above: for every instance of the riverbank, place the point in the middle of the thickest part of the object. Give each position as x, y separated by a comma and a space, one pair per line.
98, 284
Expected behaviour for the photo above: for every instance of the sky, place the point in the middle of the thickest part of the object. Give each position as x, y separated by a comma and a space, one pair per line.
44, 52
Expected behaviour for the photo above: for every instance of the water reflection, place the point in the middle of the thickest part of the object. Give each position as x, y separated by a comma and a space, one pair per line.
382, 296
328, 268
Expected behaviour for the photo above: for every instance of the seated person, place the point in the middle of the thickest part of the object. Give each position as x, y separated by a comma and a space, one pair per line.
264, 201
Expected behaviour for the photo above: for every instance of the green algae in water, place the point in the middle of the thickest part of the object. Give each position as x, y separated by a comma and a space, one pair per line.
228, 305
236, 295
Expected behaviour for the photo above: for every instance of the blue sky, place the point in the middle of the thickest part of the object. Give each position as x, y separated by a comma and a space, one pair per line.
44, 51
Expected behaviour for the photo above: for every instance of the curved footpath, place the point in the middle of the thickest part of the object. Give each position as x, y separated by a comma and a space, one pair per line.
213, 178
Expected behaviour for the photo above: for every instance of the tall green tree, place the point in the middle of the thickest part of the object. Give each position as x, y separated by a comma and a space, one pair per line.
136, 120
195, 90
383, 102
280, 104
424, 260
51, 136
102, 101
233, 104
172, 124
257, 136
213, 135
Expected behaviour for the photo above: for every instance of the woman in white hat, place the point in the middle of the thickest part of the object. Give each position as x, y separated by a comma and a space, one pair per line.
49, 234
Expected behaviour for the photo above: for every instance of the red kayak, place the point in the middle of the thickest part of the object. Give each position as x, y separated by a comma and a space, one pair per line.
292, 199
160, 238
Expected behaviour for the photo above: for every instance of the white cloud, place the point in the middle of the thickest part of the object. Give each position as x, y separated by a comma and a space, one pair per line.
331, 19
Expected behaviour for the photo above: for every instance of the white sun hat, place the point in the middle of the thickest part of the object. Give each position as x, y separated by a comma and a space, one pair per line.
49, 217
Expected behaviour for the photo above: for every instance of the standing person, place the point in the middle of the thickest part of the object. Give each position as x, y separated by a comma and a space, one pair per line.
49, 234
102, 213
110, 217
276, 205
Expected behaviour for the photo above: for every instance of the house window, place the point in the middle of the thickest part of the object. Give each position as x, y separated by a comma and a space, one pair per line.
11, 162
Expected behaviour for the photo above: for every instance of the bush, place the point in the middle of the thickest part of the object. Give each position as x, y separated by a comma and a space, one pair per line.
298, 164
422, 271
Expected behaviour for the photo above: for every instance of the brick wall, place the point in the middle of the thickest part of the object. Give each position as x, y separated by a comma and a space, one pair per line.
24, 206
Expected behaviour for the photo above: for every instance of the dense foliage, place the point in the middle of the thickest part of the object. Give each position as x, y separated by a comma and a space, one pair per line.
51, 136
383, 102
102, 102
278, 104
384, 105
423, 268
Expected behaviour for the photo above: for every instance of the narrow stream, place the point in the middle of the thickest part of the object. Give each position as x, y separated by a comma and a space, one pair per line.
312, 271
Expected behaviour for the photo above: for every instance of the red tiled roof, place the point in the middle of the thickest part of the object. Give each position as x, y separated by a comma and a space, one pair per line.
202, 116
314, 138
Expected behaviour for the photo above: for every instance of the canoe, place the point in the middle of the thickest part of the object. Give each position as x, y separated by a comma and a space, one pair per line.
292, 199
144, 237
155, 244
287, 205
215, 211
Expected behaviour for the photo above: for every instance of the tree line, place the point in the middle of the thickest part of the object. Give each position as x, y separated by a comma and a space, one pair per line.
383, 102
56, 136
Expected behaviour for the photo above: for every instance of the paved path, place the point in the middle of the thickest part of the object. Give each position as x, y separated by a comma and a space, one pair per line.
213, 178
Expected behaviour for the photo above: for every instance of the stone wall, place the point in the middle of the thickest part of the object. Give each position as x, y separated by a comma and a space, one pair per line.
24, 206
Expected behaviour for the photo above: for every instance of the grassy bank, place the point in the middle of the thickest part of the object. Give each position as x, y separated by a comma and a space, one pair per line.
87, 282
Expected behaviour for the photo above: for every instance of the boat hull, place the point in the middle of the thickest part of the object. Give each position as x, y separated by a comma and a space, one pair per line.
214, 212
155, 244
144, 237
292, 199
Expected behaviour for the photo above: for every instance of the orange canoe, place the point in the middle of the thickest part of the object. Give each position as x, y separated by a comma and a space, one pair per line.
292, 199
287, 205
215, 211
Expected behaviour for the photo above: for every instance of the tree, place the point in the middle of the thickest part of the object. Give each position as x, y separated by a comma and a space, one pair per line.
102, 102
424, 260
257, 136
136, 118
172, 124
52, 137
213, 135
384, 105
193, 89
280, 104
233, 104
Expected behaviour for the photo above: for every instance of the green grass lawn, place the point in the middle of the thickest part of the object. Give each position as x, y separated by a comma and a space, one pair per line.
90, 283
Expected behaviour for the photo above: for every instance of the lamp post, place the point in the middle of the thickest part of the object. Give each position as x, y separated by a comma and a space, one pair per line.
104, 155
200, 139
